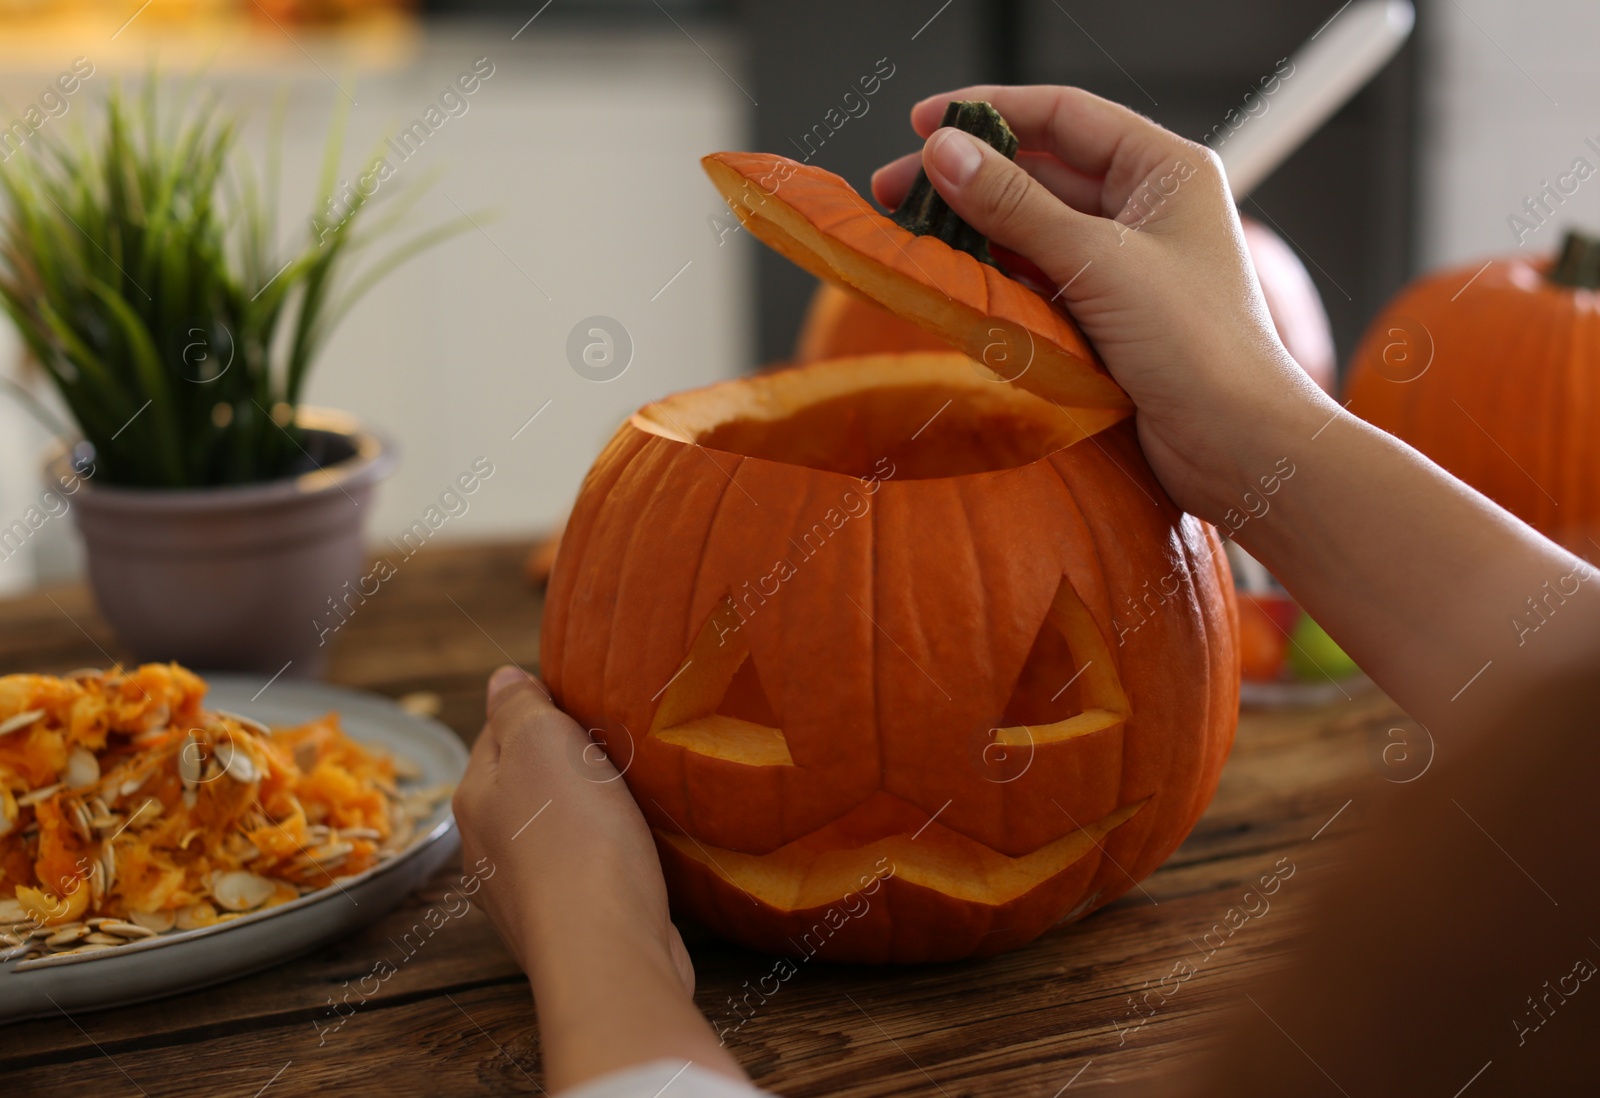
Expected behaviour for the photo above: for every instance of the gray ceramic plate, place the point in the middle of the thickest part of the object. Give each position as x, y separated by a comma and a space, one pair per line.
186, 960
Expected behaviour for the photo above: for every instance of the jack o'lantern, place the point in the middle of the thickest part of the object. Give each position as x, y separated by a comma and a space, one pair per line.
1490, 370
900, 662
887, 644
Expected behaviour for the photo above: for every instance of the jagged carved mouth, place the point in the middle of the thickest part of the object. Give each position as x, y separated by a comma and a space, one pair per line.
817, 870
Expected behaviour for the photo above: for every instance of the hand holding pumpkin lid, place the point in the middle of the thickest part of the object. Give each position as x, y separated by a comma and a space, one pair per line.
925, 264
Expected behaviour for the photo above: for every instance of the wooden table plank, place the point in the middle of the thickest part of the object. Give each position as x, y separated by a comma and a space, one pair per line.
456, 1017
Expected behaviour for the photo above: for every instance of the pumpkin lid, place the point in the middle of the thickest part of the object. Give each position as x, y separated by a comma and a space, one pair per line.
935, 273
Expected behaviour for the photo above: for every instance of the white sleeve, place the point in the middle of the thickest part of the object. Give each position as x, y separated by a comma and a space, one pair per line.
665, 1079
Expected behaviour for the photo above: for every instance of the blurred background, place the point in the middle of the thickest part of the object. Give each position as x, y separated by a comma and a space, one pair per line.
577, 159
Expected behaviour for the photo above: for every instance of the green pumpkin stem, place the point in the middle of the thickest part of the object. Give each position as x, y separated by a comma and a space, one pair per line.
925, 213
1578, 265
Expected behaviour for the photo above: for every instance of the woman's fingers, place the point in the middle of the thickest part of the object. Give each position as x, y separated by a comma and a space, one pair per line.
1081, 192
891, 182
1094, 137
510, 681
1009, 206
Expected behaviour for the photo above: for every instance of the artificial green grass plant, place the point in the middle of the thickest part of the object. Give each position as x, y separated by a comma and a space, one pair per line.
142, 272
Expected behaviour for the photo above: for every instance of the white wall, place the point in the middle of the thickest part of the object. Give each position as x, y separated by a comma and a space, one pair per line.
1510, 93
586, 151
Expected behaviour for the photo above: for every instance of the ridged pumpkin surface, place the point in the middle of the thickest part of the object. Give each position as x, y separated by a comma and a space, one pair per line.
901, 663
840, 323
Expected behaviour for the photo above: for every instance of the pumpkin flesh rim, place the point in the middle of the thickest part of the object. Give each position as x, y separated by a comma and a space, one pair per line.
715, 416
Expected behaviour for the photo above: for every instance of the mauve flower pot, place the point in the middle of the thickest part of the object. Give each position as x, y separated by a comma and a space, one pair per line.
234, 578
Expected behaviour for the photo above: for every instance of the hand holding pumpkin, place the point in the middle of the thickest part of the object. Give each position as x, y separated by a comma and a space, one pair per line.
575, 891
1136, 227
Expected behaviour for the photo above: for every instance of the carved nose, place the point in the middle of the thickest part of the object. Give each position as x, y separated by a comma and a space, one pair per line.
716, 705
1068, 686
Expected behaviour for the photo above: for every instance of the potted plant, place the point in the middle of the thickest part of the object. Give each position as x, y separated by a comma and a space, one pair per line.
141, 269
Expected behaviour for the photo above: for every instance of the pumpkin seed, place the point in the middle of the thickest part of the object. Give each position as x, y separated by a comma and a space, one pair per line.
190, 759
241, 890
108, 864
44, 792
19, 721
195, 916
421, 703
156, 922
80, 821
126, 930
83, 769
67, 935
89, 947
248, 722
236, 762
405, 769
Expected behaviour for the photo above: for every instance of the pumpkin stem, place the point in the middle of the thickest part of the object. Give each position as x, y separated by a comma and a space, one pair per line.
1579, 262
925, 213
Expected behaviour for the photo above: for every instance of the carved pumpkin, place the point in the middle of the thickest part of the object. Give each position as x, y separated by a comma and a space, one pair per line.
841, 323
1490, 370
869, 663
900, 662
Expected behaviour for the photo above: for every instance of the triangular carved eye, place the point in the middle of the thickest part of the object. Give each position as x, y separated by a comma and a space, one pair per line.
1068, 685
716, 704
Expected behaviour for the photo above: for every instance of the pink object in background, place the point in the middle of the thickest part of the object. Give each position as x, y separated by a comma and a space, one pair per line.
1294, 303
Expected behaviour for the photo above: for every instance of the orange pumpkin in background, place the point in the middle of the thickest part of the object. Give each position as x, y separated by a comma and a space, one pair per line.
900, 662
840, 323
1490, 369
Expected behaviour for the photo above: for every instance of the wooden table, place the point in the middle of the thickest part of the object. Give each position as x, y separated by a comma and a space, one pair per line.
457, 1018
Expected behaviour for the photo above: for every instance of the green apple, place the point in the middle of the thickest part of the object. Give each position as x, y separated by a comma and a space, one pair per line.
1314, 656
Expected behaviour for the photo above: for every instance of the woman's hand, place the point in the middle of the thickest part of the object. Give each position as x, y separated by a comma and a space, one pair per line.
1138, 229
1419, 578
575, 891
